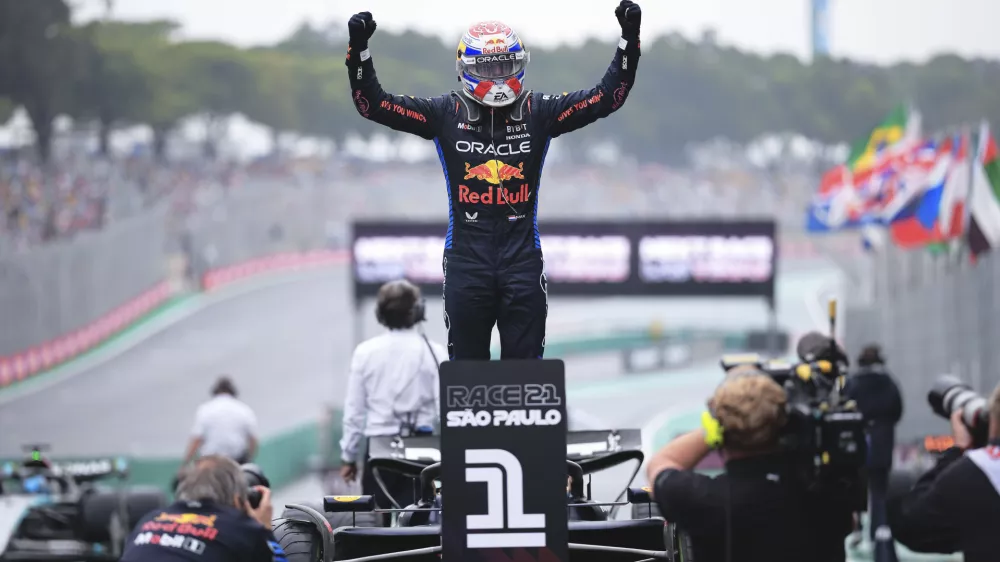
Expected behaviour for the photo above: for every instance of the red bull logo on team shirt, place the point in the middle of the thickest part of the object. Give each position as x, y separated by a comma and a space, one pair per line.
494, 172
494, 196
189, 524
188, 518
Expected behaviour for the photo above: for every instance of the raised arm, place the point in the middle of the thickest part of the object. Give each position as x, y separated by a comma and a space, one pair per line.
418, 116
569, 112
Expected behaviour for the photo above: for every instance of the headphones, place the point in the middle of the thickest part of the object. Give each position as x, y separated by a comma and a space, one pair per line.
713, 429
417, 313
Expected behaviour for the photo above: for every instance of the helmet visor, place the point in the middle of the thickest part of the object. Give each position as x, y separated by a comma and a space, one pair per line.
494, 66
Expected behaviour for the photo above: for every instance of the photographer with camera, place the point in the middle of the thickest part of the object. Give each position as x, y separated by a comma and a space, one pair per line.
757, 509
392, 388
213, 520
955, 506
878, 398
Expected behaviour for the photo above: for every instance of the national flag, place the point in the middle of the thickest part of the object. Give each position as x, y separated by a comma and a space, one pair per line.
934, 212
910, 171
954, 196
915, 211
852, 193
984, 199
901, 179
899, 131
929, 208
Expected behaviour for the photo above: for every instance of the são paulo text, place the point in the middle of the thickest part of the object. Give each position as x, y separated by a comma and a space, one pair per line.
483, 418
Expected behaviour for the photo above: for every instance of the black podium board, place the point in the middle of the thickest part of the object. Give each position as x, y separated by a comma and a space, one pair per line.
503, 460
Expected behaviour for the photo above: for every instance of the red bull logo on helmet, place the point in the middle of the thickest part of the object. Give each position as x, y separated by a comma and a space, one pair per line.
494, 172
495, 45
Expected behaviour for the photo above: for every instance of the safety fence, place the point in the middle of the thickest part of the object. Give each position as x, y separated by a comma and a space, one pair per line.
933, 315
62, 288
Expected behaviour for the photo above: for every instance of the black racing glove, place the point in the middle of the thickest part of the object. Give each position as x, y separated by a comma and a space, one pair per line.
360, 28
629, 15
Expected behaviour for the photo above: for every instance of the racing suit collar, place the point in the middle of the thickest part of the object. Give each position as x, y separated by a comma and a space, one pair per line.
474, 111
208, 506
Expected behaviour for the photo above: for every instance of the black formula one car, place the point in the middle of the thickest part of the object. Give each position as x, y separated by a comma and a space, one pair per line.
65, 511
342, 529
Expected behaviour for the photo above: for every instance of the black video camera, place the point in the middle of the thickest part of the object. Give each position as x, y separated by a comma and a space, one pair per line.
948, 394
825, 431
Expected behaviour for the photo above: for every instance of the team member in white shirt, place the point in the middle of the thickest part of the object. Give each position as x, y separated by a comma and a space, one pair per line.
223, 426
393, 385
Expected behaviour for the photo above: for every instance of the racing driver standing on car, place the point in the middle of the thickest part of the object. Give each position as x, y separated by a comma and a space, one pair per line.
492, 137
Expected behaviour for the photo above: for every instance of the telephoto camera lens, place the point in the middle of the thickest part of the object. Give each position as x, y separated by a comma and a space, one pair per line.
254, 476
949, 394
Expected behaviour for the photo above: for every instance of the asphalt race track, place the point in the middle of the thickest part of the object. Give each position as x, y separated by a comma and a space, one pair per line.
288, 345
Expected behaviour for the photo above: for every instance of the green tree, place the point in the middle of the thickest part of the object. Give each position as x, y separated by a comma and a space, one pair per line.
171, 99
273, 101
221, 79
38, 62
320, 99
114, 86
687, 92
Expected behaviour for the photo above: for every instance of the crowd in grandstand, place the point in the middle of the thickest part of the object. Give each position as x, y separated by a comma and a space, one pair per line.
39, 205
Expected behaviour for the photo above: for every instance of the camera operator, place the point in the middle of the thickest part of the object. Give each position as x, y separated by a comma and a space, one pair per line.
879, 400
956, 505
392, 388
212, 521
755, 510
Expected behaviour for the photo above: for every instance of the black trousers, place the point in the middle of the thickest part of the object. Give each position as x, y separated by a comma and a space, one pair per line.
477, 296
878, 488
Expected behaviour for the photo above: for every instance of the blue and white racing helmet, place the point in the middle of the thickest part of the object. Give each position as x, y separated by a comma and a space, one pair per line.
36, 484
490, 63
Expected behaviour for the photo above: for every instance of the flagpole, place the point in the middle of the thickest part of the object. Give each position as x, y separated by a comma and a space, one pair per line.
970, 160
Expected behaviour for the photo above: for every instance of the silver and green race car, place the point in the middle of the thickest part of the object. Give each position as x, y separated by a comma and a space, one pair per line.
68, 511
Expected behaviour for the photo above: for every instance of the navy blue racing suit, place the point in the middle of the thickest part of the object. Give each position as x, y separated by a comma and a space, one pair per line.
492, 160
200, 532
